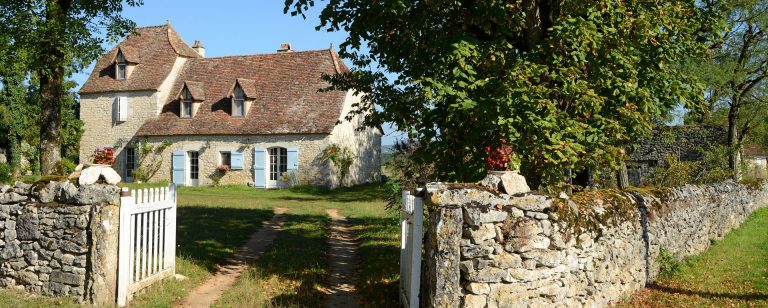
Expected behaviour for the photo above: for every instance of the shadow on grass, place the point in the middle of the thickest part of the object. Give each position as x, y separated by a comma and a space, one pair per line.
210, 235
710, 295
292, 272
380, 255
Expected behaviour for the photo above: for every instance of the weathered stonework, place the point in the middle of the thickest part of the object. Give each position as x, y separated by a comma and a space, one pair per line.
61, 240
533, 259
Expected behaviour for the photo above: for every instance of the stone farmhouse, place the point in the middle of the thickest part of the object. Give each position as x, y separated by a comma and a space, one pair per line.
260, 116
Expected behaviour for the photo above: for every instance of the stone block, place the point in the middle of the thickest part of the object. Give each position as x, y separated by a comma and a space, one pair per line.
475, 251
482, 233
546, 257
527, 228
477, 215
536, 203
27, 228
507, 260
478, 288
523, 244
67, 278
508, 295
12, 197
488, 274
475, 301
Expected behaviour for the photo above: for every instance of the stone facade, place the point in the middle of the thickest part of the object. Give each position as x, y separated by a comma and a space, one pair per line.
490, 250
61, 240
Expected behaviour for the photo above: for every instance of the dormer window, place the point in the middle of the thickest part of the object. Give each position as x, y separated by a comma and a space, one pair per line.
238, 102
121, 66
186, 104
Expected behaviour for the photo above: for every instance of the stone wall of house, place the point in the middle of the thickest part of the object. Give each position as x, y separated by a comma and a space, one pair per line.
97, 111
365, 145
59, 239
312, 170
489, 250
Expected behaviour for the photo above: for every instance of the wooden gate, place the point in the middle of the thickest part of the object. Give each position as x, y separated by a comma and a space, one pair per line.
147, 241
411, 224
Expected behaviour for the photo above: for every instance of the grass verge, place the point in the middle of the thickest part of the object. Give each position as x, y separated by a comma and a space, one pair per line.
732, 273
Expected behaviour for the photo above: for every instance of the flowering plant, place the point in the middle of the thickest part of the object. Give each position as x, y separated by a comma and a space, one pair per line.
105, 156
340, 157
501, 158
223, 169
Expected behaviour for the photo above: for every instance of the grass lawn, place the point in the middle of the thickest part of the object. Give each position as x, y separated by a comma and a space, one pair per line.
214, 221
732, 273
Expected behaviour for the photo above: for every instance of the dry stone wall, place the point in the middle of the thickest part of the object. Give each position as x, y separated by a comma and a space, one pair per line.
485, 249
59, 239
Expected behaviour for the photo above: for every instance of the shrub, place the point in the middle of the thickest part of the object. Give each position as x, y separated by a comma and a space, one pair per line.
6, 173
405, 172
668, 265
290, 178
340, 157
67, 165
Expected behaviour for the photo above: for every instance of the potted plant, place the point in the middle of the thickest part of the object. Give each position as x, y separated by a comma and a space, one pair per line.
503, 167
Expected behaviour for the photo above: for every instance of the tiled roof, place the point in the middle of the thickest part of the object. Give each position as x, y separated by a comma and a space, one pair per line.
248, 86
154, 49
195, 89
284, 88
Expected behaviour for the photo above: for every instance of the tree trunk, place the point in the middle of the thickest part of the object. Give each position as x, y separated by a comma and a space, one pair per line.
734, 161
622, 177
51, 75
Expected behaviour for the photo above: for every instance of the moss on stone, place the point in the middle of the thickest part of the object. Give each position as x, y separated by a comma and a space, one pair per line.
596, 209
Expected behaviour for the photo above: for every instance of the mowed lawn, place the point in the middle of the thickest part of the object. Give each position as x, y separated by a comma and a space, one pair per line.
732, 273
214, 221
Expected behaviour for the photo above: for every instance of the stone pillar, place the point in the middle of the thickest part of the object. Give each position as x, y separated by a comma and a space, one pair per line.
103, 255
441, 279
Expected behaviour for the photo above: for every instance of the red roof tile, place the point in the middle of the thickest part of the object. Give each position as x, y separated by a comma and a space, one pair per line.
154, 48
285, 91
195, 90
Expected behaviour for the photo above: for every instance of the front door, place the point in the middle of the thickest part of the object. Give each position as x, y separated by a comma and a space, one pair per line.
193, 164
278, 164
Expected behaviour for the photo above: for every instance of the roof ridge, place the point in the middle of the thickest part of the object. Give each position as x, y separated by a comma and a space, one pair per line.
157, 26
263, 54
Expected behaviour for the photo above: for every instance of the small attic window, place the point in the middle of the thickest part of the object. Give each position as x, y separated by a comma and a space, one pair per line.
121, 66
186, 104
238, 102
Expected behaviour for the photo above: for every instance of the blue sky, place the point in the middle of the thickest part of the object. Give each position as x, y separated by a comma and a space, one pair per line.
237, 28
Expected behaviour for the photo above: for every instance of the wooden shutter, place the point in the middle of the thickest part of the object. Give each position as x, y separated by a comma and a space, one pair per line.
122, 108
179, 166
259, 168
293, 159
236, 159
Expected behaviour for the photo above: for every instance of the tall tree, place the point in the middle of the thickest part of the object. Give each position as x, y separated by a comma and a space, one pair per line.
60, 37
569, 84
736, 75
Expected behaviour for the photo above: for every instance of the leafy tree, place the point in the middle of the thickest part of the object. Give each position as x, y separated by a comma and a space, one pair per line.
59, 37
736, 75
569, 84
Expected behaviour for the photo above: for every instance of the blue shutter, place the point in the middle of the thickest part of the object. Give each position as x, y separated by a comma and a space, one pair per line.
236, 161
179, 164
293, 159
259, 163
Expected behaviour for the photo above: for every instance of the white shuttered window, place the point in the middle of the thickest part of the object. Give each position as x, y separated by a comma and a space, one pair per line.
122, 108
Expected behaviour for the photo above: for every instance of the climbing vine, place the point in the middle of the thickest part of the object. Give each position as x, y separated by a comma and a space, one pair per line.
341, 157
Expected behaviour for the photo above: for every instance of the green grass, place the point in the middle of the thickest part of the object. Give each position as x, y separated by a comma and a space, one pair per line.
732, 273
12, 298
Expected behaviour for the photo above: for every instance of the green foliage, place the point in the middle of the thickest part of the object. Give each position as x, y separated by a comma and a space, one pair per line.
668, 265
405, 172
711, 168
568, 84
341, 157
290, 178
149, 157
737, 92
5, 173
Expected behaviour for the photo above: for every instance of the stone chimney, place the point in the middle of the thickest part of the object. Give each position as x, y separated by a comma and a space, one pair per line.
198, 47
285, 47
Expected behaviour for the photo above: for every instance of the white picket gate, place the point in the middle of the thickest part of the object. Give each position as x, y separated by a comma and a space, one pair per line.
411, 224
147, 244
